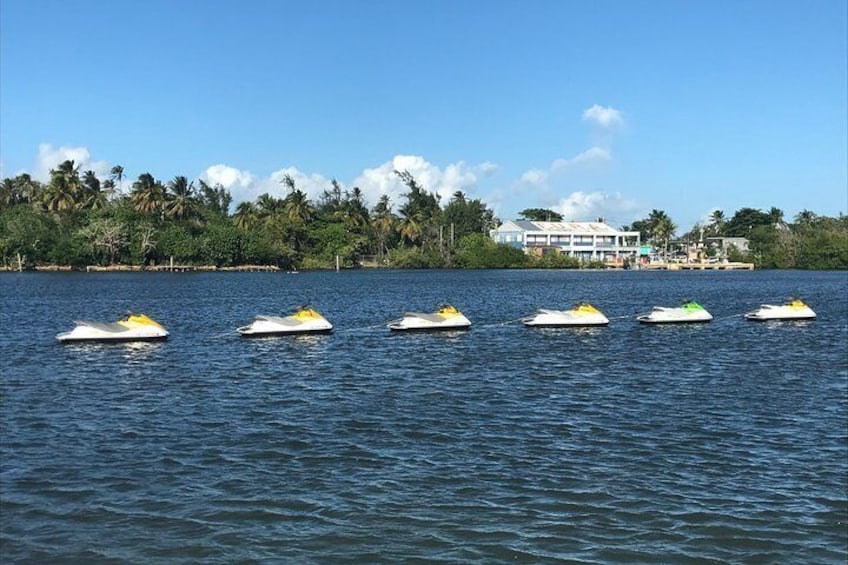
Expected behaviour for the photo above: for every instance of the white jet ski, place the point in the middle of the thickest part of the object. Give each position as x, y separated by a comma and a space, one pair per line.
304, 320
582, 315
687, 313
795, 309
446, 318
134, 327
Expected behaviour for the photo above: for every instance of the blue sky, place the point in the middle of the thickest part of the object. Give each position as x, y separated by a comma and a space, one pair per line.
608, 108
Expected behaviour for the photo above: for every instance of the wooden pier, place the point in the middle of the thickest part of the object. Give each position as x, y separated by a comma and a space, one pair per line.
732, 266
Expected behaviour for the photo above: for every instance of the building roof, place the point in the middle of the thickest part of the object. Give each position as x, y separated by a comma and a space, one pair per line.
563, 227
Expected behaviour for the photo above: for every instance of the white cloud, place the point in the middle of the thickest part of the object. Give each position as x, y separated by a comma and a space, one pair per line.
592, 154
604, 117
228, 177
541, 177
536, 177
312, 184
382, 180
488, 168
245, 186
50, 158
587, 206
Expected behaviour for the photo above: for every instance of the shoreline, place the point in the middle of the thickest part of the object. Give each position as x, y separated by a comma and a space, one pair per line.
732, 266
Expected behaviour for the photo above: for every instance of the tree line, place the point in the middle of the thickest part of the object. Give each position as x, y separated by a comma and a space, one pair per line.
78, 219
809, 241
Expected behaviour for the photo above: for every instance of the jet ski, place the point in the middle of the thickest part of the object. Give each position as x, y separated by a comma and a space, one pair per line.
582, 315
687, 313
304, 320
446, 318
795, 309
133, 327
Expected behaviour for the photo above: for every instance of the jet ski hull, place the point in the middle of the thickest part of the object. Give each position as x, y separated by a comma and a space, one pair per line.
268, 326
781, 314
565, 319
135, 327
437, 328
567, 325
447, 318
69, 337
245, 332
649, 320
683, 315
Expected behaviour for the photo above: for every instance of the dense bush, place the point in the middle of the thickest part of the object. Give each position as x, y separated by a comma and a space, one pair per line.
74, 220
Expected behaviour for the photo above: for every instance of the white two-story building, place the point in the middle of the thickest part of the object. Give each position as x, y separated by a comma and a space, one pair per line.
587, 241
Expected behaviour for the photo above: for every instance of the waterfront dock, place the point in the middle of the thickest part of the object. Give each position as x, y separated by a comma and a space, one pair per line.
694, 266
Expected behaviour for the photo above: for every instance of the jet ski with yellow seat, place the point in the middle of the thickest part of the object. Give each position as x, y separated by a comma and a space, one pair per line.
133, 327
795, 309
582, 315
447, 317
305, 320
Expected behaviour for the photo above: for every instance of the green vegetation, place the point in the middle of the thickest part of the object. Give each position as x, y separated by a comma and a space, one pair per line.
77, 219
657, 229
540, 215
809, 242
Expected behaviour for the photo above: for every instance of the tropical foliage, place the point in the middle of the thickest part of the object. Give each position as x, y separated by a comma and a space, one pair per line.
78, 219
540, 215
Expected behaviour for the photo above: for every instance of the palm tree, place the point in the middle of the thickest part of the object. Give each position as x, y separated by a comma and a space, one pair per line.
661, 228
663, 231
182, 201
246, 216
28, 190
93, 196
21, 190
776, 215
330, 201
411, 226
267, 206
117, 174
805, 217
215, 199
383, 223
355, 212
148, 194
297, 205
8, 194
717, 222
64, 191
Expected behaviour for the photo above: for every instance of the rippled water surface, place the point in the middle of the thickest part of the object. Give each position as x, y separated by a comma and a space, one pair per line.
724, 442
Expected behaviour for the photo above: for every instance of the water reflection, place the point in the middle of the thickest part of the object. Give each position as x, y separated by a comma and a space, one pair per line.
424, 335
130, 350
269, 341
574, 330
135, 351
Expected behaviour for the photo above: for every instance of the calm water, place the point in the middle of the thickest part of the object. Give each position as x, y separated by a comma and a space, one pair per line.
725, 442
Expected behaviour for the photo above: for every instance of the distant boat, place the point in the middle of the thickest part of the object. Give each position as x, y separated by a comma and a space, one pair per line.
583, 314
133, 327
446, 318
304, 320
795, 309
687, 313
